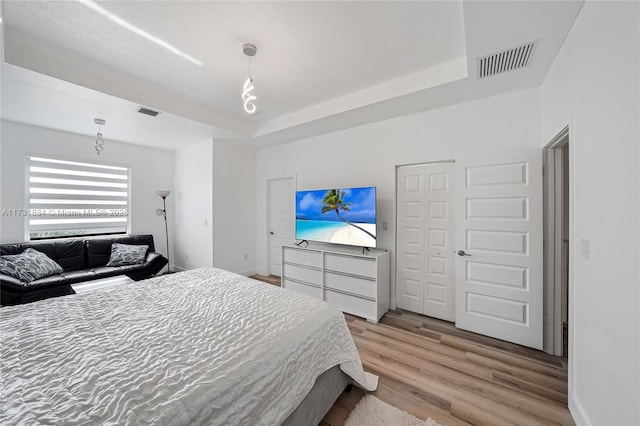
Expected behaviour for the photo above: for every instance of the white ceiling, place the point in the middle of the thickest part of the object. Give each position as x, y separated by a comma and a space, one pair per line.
37, 99
321, 66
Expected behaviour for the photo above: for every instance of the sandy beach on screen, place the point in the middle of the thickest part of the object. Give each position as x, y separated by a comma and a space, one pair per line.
351, 235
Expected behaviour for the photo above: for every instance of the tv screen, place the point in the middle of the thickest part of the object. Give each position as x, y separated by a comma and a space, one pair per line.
339, 216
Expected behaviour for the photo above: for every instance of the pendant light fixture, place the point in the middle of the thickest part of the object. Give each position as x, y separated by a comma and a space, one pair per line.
247, 95
99, 141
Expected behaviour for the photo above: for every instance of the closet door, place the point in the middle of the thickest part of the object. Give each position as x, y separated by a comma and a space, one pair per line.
439, 279
425, 266
410, 237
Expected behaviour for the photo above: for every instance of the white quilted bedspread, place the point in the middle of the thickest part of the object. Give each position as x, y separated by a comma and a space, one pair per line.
200, 347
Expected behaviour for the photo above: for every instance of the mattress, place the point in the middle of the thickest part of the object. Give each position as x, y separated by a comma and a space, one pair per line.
200, 347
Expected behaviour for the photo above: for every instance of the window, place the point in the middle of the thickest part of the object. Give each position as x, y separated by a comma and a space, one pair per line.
70, 198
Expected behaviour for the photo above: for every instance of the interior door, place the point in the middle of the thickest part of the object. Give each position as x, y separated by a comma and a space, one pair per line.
410, 236
425, 269
499, 286
439, 285
281, 229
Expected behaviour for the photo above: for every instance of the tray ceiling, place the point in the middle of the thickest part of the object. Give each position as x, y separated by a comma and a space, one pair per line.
320, 66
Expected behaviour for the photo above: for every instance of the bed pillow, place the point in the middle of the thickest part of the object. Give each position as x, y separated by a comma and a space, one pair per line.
126, 254
29, 265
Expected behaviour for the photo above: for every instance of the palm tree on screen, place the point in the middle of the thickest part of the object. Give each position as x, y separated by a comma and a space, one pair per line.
334, 201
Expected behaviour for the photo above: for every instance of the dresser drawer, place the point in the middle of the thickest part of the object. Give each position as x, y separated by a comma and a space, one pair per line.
300, 273
350, 284
302, 288
363, 266
302, 257
352, 305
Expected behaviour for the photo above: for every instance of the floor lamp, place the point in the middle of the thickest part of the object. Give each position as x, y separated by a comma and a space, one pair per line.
163, 212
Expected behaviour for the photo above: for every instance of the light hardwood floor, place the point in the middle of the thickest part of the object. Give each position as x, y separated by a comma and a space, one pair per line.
432, 369
271, 279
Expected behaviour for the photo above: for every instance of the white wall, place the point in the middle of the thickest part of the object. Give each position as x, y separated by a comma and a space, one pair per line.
234, 207
593, 87
151, 169
367, 155
194, 206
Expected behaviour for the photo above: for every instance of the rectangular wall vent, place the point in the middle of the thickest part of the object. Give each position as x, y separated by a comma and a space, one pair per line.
507, 60
147, 111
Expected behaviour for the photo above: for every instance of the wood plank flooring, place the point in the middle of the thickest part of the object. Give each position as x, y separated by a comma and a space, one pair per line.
271, 279
429, 368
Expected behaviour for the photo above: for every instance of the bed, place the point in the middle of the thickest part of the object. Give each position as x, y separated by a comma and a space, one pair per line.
204, 346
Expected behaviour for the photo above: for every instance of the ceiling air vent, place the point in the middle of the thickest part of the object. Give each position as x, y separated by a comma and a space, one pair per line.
147, 111
507, 60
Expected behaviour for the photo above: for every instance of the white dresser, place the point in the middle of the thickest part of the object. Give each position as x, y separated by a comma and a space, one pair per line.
358, 284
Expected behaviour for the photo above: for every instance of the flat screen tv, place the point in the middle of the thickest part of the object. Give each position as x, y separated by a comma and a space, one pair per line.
340, 216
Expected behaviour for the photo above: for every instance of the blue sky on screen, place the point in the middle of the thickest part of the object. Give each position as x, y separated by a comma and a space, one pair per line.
362, 208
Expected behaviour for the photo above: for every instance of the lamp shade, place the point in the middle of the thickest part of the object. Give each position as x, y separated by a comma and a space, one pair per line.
164, 193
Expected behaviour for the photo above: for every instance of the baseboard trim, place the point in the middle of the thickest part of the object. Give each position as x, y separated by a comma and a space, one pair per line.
178, 268
261, 272
577, 412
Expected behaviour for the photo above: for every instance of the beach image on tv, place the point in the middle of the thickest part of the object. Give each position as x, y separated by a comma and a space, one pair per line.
340, 216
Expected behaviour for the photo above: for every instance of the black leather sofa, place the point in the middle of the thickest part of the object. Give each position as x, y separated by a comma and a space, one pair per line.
82, 260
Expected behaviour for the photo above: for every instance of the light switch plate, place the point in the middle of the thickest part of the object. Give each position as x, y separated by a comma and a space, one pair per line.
585, 248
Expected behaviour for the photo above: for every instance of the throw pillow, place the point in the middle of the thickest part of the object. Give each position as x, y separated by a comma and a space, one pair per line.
29, 265
125, 254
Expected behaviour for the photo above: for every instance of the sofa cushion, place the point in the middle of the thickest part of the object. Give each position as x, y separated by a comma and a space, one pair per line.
126, 254
78, 276
9, 282
68, 253
14, 285
41, 292
111, 271
51, 281
99, 249
29, 265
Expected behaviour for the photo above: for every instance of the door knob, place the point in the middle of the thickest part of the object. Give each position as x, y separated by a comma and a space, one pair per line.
462, 253
271, 232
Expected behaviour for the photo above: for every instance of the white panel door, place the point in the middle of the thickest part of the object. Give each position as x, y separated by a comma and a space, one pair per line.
439, 279
411, 218
425, 265
499, 287
281, 228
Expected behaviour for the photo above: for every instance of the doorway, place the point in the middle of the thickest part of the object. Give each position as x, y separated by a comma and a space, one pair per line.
280, 220
557, 244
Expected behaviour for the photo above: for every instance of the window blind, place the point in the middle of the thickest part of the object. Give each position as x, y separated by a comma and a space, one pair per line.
69, 198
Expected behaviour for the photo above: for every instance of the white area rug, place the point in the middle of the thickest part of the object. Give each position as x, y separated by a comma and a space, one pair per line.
371, 411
